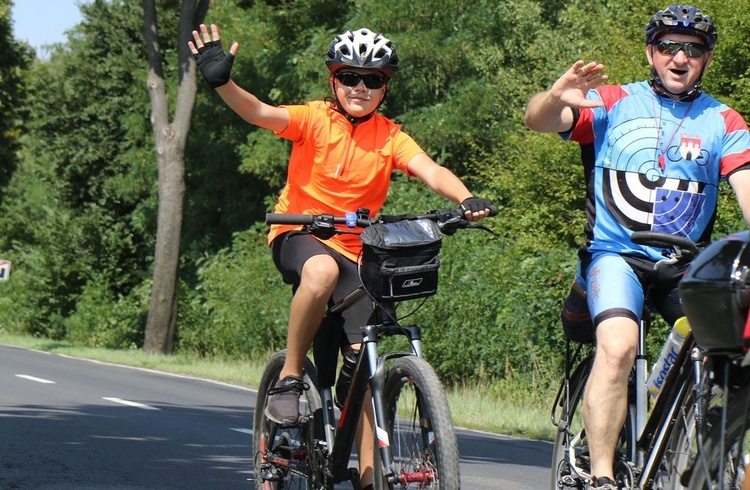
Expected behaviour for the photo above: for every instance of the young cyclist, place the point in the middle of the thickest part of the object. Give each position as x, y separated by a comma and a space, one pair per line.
660, 149
343, 154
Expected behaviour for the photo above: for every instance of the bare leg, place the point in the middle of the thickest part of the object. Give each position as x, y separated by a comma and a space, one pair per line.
319, 276
366, 442
606, 395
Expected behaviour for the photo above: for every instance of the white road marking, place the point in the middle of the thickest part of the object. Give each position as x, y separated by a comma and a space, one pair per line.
244, 431
129, 403
34, 378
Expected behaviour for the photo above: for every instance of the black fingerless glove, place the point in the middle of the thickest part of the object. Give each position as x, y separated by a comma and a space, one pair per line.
474, 204
214, 64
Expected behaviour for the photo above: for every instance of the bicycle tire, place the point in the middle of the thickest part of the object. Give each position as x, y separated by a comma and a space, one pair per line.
735, 451
420, 426
294, 443
569, 422
680, 453
682, 448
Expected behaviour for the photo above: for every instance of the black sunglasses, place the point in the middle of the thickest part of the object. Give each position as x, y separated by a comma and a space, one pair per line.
351, 79
671, 48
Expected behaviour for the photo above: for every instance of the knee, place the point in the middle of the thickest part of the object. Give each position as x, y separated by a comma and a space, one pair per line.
616, 355
320, 274
616, 343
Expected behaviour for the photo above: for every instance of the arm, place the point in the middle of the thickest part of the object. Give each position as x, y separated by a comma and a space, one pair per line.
216, 66
550, 111
740, 182
443, 182
251, 109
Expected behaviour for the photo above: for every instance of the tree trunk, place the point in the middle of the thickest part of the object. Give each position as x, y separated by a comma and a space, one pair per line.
170, 140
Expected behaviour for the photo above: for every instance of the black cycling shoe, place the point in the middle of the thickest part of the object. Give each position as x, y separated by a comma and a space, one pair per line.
603, 483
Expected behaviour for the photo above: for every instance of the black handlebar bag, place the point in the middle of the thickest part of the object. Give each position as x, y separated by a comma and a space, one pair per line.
400, 260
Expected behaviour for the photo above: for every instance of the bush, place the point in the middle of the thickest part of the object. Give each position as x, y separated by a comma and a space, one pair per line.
240, 307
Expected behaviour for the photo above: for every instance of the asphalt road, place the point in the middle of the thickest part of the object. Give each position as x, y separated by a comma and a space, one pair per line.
69, 423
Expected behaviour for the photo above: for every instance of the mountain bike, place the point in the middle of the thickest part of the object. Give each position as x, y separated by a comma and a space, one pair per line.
715, 293
657, 442
413, 424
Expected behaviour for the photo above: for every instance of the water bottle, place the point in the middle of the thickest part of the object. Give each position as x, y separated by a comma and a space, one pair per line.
668, 356
344, 380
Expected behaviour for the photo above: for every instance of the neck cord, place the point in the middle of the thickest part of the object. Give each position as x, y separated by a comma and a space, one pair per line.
660, 158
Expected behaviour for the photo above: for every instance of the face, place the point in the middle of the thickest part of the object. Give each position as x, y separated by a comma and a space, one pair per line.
358, 100
678, 72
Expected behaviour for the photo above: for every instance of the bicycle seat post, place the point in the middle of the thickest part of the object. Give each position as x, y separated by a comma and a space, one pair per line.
641, 374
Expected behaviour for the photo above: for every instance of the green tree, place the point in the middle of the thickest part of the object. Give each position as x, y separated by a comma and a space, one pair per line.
78, 211
14, 60
170, 139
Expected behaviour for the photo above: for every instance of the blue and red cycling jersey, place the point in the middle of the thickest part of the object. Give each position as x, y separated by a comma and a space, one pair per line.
658, 163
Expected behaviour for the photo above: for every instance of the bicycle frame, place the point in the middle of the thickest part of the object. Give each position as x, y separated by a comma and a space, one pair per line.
651, 446
369, 371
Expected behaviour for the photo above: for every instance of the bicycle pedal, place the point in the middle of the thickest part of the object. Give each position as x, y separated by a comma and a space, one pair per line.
269, 474
568, 481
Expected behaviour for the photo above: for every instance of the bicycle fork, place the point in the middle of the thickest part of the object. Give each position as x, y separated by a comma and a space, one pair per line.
380, 412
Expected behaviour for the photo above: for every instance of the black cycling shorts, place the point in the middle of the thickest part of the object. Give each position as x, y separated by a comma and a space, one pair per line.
290, 252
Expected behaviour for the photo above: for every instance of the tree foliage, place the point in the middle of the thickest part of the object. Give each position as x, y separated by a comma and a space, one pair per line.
14, 60
78, 214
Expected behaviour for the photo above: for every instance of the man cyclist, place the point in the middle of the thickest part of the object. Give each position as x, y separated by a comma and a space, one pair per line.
660, 149
343, 154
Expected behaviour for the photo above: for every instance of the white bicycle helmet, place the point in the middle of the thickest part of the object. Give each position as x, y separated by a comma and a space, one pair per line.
362, 48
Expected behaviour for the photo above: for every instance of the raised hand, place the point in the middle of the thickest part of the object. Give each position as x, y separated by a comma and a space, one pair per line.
215, 65
571, 88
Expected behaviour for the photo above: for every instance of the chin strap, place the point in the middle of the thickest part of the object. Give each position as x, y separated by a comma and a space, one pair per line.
355, 120
660, 89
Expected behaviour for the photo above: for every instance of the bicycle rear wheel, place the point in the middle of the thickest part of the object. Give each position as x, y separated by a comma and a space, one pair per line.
288, 457
570, 424
421, 433
734, 454
571, 462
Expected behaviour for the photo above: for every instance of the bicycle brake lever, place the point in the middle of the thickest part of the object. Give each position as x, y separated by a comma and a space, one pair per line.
322, 229
483, 228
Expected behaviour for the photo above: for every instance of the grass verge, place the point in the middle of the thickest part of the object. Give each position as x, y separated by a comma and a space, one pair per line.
495, 407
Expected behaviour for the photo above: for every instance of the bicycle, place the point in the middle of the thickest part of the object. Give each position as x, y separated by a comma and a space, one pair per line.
716, 295
413, 424
656, 443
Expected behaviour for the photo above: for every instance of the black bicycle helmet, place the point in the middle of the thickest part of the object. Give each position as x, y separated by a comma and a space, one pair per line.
362, 48
682, 19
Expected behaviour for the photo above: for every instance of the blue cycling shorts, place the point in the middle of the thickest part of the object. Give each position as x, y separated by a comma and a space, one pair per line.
613, 288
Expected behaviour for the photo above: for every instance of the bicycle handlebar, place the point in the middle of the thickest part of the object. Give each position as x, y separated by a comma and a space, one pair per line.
445, 218
683, 248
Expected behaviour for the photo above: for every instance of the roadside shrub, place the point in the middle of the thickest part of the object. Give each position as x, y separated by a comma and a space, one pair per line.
101, 320
240, 307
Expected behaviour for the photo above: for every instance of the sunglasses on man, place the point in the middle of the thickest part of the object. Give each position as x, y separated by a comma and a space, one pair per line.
691, 50
352, 79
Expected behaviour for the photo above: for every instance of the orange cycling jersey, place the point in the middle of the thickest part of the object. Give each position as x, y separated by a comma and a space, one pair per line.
336, 167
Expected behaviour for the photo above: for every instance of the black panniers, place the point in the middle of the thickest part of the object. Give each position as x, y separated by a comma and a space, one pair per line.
400, 260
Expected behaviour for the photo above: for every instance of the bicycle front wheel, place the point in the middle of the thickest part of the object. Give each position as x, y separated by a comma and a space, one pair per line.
420, 426
720, 466
286, 457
